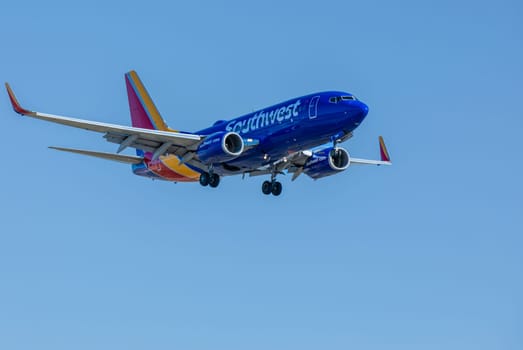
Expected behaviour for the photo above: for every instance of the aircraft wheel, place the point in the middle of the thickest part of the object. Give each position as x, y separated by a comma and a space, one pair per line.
214, 180
204, 179
267, 187
276, 188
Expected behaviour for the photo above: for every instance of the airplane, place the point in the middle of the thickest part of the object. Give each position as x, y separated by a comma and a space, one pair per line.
297, 136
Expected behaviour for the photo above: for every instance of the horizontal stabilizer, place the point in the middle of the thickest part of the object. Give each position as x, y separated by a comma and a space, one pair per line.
109, 156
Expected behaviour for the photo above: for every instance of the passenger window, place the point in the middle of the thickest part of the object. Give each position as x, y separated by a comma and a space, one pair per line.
333, 100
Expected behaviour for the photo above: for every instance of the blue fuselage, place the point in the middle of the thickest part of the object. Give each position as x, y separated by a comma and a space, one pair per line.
298, 124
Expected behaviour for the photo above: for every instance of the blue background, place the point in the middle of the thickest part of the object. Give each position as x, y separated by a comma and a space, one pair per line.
423, 254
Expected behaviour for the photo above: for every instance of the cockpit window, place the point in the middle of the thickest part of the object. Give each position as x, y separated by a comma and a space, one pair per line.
337, 99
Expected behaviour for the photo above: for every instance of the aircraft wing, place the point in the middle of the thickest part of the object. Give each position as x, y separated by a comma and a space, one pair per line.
295, 162
156, 141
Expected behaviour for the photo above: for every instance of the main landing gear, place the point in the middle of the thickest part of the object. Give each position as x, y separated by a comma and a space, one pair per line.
210, 179
272, 186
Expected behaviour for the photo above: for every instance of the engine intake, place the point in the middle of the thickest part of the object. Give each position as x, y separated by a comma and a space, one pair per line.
327, 161
220, 147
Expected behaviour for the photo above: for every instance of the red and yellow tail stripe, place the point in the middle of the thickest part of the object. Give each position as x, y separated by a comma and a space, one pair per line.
143, 109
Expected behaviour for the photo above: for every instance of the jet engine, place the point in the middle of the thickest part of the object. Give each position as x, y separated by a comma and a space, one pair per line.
220, 147
327, 161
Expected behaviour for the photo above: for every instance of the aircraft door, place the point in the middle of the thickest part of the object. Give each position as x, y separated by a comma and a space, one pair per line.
313, 107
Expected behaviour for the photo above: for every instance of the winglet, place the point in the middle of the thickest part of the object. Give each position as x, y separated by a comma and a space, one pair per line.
383, 151
14, 102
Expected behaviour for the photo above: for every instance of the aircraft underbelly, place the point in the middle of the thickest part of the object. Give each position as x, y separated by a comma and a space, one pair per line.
280, 145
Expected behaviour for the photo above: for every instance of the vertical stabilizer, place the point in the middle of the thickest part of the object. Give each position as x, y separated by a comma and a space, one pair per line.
143, 111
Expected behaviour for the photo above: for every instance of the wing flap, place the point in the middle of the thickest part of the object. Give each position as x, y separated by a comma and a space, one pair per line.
147, 144
291, 163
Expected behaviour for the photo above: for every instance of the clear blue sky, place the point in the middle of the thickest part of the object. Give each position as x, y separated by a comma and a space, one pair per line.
425, 254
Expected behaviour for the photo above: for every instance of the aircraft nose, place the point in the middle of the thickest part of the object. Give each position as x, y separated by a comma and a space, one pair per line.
362, 110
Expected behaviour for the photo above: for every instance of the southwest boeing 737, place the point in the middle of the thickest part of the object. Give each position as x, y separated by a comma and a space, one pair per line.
297, 136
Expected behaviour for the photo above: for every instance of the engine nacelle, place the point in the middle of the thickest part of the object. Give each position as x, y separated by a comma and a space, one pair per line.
220, 147
327, 161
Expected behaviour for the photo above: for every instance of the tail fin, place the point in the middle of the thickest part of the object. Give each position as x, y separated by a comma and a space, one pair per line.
143, 111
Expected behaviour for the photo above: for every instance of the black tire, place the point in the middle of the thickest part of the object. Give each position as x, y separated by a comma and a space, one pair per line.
276, 188
214, 180
267, 187
204, 179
